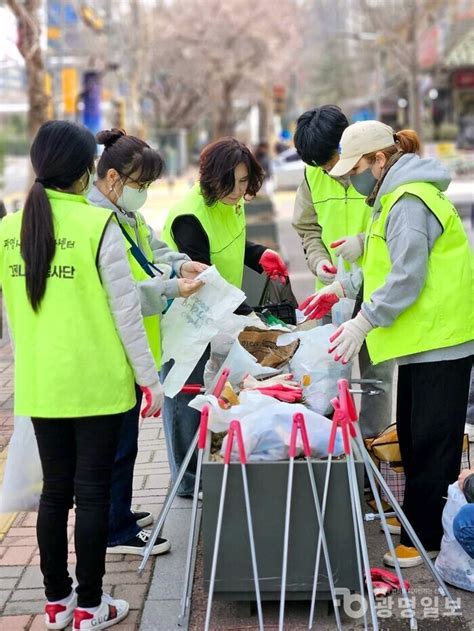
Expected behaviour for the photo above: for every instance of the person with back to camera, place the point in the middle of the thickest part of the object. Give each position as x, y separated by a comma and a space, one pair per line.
418, 308
125, 170
79, 347
209, 226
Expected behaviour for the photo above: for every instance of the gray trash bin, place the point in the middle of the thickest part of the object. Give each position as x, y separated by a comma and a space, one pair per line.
267, 485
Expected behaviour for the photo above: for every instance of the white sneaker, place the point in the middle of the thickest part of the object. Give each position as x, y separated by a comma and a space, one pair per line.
110, 612
58, 615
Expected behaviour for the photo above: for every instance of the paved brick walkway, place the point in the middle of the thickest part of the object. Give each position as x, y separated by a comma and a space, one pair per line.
21, 585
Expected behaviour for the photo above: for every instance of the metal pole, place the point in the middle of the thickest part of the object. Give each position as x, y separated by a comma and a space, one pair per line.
285, 543
167, 505
299, 420
252, 545
174, 491
185, 599
331, 443
383, 517
408, 527
234, 431
216, 545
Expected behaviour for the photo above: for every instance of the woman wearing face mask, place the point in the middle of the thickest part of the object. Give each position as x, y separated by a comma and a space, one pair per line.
126, 168
209, 226
418, 308
80, 346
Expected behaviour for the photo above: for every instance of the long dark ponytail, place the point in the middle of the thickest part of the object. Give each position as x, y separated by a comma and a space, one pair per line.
60, 154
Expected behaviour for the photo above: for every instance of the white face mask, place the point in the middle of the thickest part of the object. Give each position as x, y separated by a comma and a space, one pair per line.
131, 199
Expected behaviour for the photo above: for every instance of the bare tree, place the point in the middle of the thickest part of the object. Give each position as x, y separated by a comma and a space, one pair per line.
399, 24
213, 59
29, 31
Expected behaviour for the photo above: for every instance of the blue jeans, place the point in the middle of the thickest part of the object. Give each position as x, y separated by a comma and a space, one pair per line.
122, 522
180, 424
463, 528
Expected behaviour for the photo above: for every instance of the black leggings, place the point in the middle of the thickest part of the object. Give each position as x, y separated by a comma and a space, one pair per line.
431, 412
77, 456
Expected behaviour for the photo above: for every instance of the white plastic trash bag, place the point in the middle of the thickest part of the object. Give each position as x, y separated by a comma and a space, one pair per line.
222, 343
23, 476
189, 325
240, 364
453, 563
342, 310
312, 358
266, 426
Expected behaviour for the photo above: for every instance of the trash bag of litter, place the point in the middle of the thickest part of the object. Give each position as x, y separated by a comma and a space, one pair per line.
266, 426
453, 563
312, 358
23, 475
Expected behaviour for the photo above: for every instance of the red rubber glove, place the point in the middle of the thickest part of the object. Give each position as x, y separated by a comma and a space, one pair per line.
319, 304
154, 399
291, 395
274, 266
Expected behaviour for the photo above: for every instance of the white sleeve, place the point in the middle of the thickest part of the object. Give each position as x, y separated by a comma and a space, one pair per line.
124, 303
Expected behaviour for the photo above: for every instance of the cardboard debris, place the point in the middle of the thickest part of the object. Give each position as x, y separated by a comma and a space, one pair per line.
261, 344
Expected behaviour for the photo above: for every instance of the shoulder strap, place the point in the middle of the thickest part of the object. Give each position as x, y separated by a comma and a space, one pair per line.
138, 255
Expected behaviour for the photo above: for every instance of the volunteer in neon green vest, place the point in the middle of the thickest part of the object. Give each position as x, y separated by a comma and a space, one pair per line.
125, 170
329, 212
418, 308
79, 346
209, 226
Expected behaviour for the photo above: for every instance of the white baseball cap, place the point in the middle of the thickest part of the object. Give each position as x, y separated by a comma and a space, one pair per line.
359, 139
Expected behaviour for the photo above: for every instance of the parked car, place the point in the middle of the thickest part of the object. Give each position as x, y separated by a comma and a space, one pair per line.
288, 170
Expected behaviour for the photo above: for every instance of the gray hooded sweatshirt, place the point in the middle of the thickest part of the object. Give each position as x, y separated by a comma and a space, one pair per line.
411, 231
154, 292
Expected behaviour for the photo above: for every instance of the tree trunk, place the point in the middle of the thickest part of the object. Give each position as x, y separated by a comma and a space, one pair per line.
414, 104
225, 120
29, 46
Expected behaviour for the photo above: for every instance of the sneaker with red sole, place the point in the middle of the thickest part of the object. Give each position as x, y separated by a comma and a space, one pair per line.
111, 611
59, 615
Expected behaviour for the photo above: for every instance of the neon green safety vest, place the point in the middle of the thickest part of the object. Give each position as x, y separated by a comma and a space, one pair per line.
151, 323
69, 360
443, 314
225, 229
341, 211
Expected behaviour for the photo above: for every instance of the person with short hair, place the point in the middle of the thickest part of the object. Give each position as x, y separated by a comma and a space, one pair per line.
331, 216
418, 308
80, 347
209, 226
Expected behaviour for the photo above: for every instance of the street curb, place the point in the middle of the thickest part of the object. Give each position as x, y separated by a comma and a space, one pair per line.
163, 602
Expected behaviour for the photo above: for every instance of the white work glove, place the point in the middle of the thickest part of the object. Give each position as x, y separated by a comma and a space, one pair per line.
154, 399
326, 271
350, 248
320, 304
349, 337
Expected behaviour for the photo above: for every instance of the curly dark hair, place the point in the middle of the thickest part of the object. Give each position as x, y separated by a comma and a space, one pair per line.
216, 170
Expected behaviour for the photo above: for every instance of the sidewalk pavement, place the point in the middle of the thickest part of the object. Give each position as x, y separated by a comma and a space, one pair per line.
21, 585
